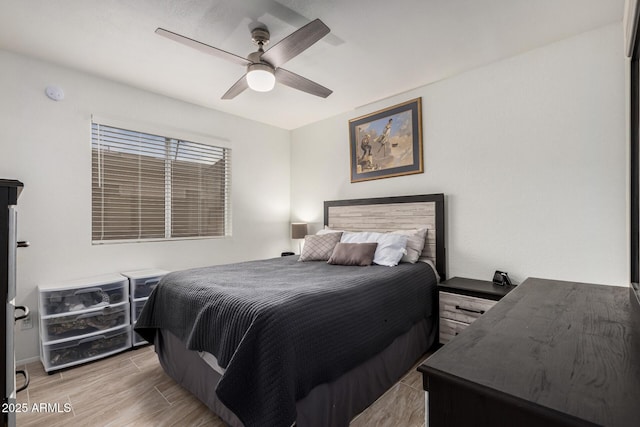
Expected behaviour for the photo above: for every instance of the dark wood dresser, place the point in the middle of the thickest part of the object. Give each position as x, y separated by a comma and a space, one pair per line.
551, 353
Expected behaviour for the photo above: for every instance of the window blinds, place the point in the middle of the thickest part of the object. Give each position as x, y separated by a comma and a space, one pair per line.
152, 187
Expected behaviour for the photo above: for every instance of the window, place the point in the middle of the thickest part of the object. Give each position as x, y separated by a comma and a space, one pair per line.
153, 187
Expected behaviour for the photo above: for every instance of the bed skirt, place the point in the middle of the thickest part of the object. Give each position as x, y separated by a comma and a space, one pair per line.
330, 404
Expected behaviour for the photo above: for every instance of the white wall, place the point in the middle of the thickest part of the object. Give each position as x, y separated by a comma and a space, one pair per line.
46, 145
530, 152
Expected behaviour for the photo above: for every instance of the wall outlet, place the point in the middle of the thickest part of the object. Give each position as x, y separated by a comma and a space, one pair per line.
26, 323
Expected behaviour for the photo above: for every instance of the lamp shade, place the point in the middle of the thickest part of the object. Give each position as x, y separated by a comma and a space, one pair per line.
260, 77
298, 230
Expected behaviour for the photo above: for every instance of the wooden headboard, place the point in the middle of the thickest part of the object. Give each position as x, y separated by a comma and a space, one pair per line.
394, 213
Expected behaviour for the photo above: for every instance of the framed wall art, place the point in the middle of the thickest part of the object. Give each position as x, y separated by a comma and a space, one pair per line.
387, 143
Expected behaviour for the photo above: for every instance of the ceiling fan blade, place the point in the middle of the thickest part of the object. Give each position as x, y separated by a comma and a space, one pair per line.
295, 43
223, 54
237, 88
295, 81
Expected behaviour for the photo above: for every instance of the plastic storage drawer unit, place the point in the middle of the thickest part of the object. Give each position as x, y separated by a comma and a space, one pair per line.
84, 294
142, 282
83, 320
58, 327
85, 349
136, 308
137, 339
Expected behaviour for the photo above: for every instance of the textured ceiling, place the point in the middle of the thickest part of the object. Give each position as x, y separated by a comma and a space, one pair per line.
375, 49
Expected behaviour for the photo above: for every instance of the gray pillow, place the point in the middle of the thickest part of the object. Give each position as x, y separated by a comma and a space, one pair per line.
360, 254
319, 248
415, 243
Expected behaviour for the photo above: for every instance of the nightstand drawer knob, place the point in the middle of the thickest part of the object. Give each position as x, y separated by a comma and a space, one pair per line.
469, 310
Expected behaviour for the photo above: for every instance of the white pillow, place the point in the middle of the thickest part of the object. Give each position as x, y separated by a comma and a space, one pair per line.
327, 230
391, 247
415, 243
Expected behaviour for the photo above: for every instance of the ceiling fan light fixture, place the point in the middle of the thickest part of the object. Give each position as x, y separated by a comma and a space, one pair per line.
260, 77
261, 65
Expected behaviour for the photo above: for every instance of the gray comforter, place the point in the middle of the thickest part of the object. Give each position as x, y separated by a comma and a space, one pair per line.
281, 327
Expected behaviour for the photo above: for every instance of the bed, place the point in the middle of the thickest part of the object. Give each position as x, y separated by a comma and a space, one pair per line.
283, 342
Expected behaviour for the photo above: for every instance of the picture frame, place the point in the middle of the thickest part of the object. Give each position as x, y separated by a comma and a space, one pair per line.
387, 143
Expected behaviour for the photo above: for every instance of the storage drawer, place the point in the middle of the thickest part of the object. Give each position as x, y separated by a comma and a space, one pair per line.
137, 339
449, 329
143, 281
463, 308
84, 294
67, 326
85, 349
136, 308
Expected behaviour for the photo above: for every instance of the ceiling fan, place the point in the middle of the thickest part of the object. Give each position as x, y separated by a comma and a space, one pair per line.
264, 68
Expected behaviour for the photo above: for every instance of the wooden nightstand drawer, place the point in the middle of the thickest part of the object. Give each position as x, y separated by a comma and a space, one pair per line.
463, 308
449, 329
464, 300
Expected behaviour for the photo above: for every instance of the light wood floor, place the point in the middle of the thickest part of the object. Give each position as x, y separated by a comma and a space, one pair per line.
131, 389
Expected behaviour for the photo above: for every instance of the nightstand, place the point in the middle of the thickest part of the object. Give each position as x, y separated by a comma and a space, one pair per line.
463, 300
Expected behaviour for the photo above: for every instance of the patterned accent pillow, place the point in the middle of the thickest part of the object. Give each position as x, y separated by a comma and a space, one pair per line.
319, 247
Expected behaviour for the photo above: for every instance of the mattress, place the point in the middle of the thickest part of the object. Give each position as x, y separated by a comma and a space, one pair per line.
212, 361
332, 404
278, 328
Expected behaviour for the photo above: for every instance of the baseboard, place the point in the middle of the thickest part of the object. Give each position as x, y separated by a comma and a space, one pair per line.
28, 360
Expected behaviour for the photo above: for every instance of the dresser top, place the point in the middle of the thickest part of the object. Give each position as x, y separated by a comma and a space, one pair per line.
568, 348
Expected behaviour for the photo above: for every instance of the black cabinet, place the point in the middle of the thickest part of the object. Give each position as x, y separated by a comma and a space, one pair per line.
9, 192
